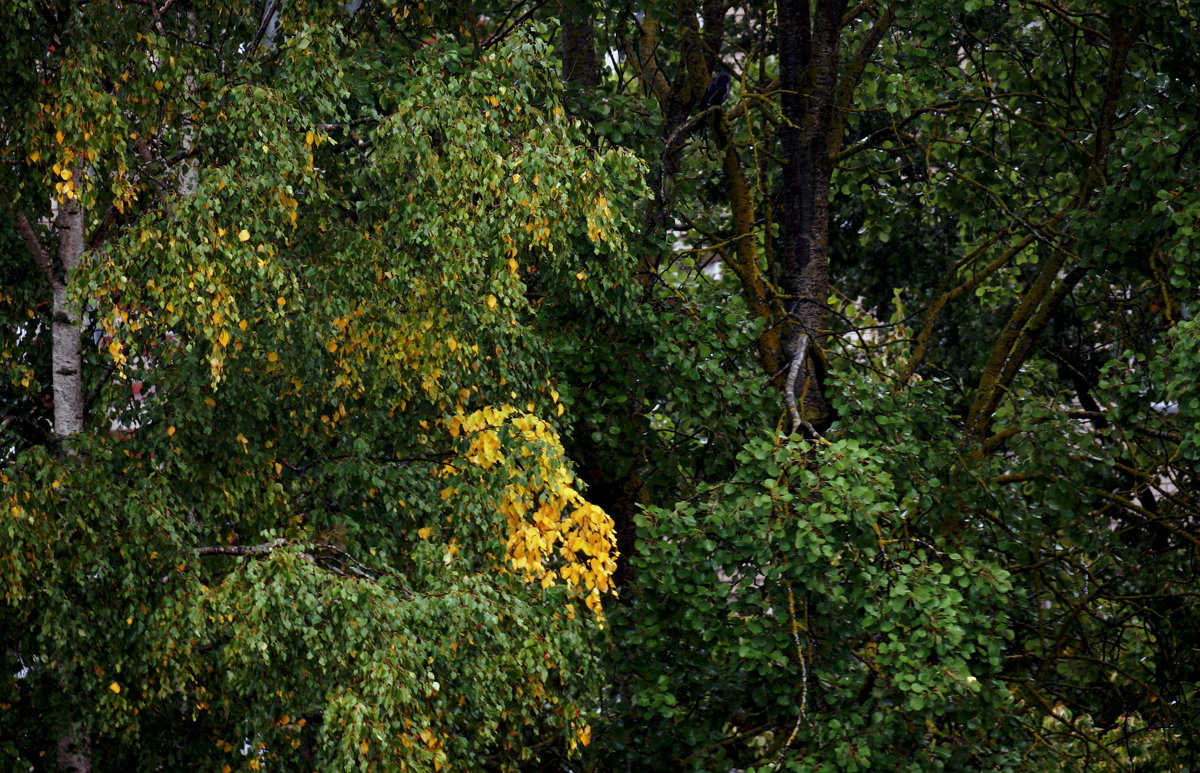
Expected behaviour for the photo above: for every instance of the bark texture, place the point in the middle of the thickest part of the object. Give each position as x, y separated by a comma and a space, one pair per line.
808, 69
74, 753
67, 361
578, 46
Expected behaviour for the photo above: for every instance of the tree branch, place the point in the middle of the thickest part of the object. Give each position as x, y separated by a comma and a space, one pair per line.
855, 66
243, 550
40, 256
343, 564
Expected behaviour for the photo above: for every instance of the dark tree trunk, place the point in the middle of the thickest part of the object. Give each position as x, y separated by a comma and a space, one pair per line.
578, 46
808, 70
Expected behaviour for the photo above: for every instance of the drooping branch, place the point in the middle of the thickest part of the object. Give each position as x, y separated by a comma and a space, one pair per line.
794, 369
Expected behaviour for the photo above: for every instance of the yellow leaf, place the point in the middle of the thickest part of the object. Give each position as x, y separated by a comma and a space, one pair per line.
170, 431
272, 357
224, 338
581, 276
115, 688
364, 747
308, 138
34, 157
424, 532
331, 346
491, 301
244, 235
58, 135
242, 324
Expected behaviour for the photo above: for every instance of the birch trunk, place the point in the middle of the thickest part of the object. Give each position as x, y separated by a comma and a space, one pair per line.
67, 360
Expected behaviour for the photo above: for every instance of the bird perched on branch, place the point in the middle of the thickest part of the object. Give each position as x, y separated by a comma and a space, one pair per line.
717, 91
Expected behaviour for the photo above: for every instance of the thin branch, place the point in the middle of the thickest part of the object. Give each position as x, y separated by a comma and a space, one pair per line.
855, 66
790, 390
331, 558
40, 256
856, 11
243, 550
802, 713
268, 15
503, 32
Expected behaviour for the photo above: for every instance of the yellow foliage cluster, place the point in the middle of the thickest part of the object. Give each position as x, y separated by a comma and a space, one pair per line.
596, 219
554, 534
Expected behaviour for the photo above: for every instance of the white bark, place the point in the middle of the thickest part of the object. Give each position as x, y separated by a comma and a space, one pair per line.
67, 359
74, 753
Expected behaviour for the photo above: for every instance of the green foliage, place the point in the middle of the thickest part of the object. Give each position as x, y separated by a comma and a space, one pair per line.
268, 550
399, 356
792, 619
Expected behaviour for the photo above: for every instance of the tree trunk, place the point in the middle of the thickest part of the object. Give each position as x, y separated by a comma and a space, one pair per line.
808, 69
74, 753
66, 363
67, 360
578, 47
74, 746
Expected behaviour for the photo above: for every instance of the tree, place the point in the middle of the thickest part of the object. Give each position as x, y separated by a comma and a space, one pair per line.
984, 473
301, 499
878, 373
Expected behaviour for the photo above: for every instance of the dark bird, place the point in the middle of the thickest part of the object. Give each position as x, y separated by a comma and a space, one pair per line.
717, 91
